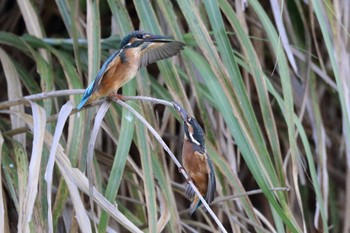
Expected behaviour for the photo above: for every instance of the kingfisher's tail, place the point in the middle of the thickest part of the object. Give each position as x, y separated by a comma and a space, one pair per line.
195, 204
88, 96
83, 102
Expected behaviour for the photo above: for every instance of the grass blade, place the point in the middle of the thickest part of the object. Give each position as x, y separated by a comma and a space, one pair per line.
2, 200
62, 118
39, 123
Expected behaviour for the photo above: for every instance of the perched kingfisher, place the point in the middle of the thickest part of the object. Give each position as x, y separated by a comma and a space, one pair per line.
139, 48
196, 161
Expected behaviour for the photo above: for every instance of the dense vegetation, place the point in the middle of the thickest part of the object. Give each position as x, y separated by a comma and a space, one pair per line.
268, 81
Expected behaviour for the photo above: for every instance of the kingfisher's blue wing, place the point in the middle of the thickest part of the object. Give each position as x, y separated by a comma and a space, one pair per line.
194, 205
209, 197
92, 87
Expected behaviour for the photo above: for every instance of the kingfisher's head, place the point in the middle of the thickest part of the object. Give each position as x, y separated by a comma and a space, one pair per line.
150, 47
193, 131
141, 38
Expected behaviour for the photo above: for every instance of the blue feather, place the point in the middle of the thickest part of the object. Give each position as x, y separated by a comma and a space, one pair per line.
92, 87
86, 95
194, 207
209, 197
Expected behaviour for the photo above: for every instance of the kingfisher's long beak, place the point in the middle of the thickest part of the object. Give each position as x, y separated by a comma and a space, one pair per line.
180, 110
158, 39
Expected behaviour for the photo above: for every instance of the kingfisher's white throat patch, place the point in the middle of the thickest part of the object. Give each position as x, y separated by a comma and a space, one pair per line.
190, 133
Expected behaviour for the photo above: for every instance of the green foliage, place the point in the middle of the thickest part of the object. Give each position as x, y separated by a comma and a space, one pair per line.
268, 83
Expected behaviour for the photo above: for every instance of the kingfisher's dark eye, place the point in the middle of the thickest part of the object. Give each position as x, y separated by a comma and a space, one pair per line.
139, 36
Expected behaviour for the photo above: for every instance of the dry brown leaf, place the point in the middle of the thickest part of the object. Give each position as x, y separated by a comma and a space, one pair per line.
32, 22
2, 204
91, 147
14, 91
61, 121
164, 212
38, 128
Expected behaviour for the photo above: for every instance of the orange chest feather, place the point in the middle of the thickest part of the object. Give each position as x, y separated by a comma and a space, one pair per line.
118, 73
196, 165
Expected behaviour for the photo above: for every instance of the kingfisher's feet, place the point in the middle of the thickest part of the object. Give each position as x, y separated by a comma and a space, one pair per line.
115, 96
189, 179
180, 169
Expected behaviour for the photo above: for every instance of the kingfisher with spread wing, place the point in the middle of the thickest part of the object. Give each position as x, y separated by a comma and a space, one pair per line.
137, 49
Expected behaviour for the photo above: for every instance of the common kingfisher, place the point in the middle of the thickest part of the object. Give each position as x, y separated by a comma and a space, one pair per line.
196, 161
137, 49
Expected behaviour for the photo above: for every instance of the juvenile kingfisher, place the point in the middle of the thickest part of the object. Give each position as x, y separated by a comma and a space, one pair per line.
196, 161
139, 48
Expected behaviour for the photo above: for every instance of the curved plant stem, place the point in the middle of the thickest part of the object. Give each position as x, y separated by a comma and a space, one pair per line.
167, 149
41, 96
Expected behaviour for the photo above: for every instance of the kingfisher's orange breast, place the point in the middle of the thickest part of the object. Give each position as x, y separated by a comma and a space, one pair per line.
196, 166
118, 73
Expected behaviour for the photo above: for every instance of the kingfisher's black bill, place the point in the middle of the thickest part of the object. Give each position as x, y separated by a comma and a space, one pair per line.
159, 39
180, 110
